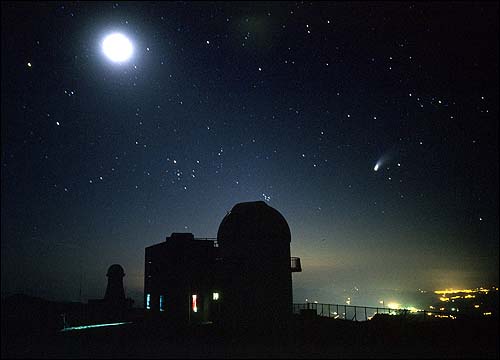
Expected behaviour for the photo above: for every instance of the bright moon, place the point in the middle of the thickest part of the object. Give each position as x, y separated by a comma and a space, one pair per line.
117, 47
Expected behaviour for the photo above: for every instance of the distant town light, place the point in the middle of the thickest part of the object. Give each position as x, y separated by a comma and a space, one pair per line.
394, 306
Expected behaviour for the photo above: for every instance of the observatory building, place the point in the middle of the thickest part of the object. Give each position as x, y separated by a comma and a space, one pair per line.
242, 279
179, 278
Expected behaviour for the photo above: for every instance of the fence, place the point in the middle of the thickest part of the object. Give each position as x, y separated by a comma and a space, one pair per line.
360, 313
214, 240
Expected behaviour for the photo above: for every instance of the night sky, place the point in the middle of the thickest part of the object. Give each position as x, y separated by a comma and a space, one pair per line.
372, 127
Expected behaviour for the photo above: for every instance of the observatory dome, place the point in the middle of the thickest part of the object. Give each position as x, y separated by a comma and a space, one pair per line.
253, 228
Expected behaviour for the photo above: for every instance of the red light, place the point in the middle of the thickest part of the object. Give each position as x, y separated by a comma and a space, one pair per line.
193, 303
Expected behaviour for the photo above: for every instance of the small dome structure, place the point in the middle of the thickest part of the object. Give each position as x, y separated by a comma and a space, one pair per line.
114, 290
115, 270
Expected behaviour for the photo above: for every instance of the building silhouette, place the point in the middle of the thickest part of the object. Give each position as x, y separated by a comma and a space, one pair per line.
241, 280
179, 279
114, 306
114, 290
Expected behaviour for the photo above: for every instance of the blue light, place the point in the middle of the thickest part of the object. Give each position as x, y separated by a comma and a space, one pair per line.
161, 303
148, 301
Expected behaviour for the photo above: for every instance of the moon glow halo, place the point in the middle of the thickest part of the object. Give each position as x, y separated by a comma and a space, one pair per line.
117, 47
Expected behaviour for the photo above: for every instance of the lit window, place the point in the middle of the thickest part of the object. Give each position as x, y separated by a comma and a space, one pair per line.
161, 303
215, 296
148, 301
193, 303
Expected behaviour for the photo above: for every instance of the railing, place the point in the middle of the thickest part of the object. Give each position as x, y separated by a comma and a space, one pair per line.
361, 313
216, 244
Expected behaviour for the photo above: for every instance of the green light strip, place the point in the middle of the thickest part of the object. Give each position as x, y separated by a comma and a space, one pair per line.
94, 326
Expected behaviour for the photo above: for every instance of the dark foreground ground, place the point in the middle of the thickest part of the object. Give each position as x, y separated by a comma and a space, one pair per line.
389, 337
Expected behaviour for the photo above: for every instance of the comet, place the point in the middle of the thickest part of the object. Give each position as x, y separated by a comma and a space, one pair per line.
385, 158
